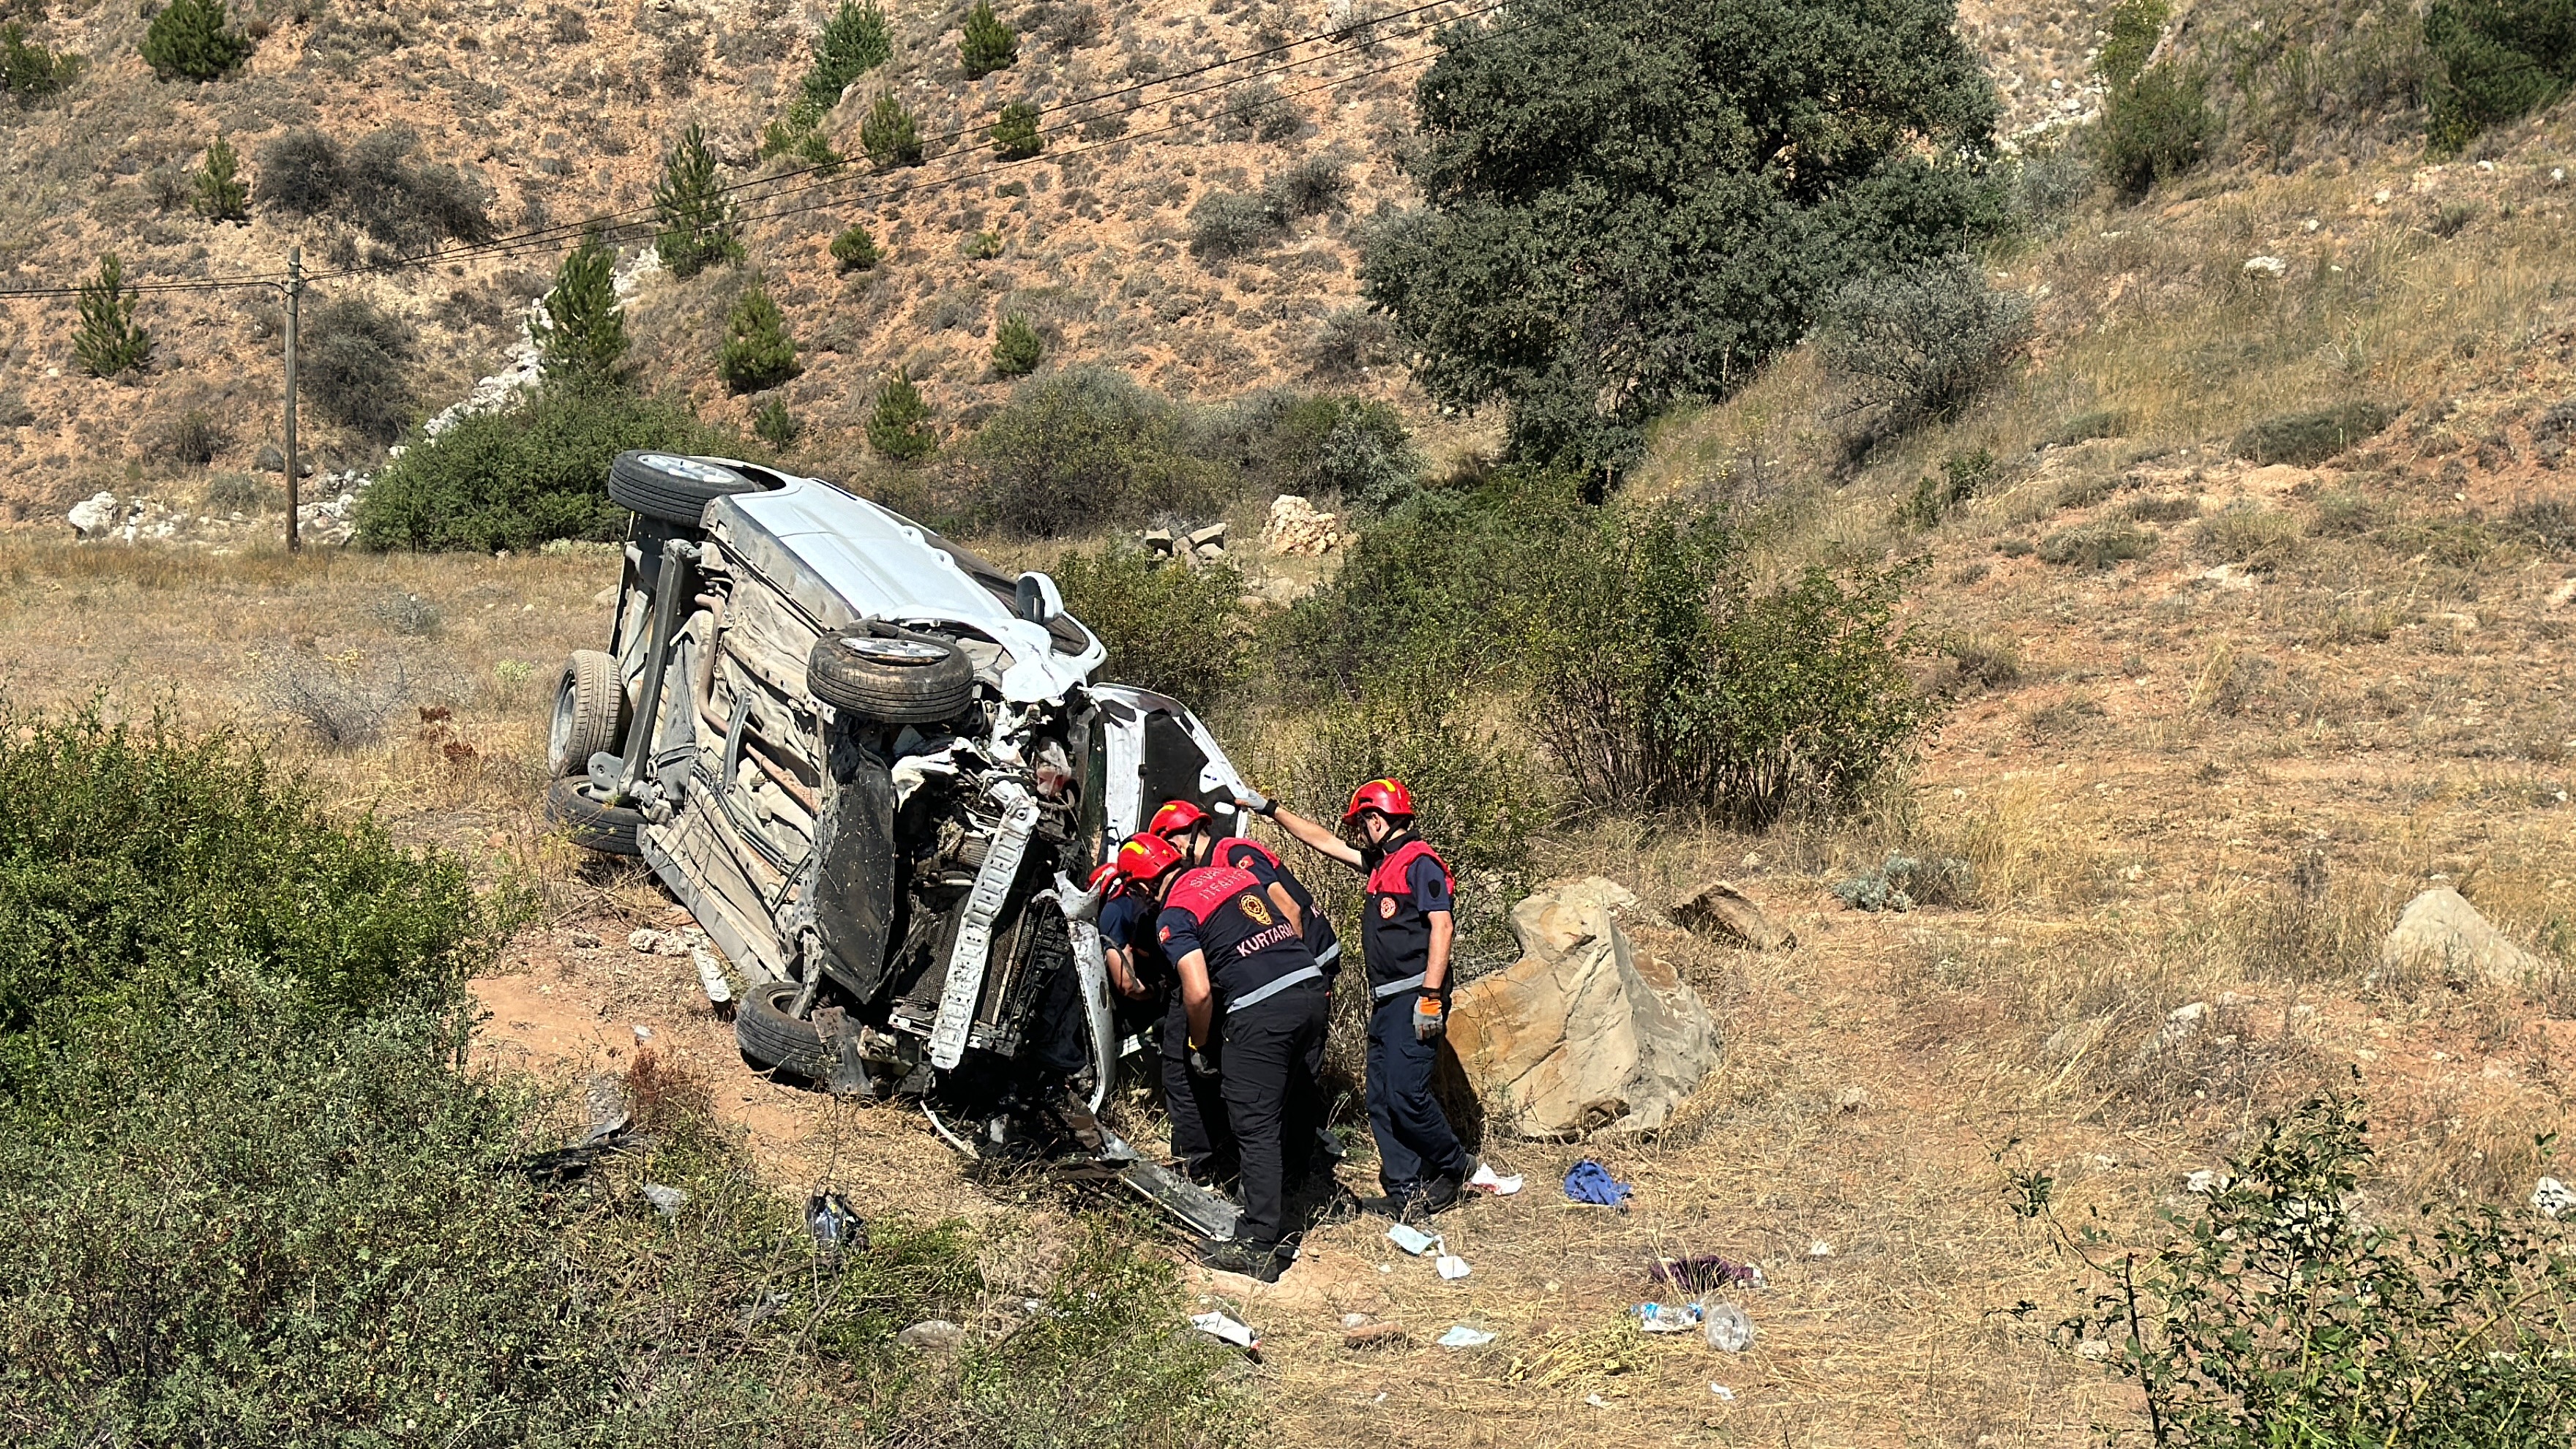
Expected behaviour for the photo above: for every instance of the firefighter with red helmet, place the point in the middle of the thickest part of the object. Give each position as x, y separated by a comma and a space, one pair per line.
1187, 826
1139, 971
1405, 933
1254, 1005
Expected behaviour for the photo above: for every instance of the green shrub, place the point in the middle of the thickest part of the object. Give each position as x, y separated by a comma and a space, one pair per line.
2153, 129
854, 41
2500, 60
357, 367
986, 45
889, 133
983, 246
1017, 348
515, 479
583, 337
1177, 630
2170, 508
1356, 451
1923, 342
1015, 132
1963, 476
2549, 523
2131, 28
1230, 223
28, 71
1256, 111
107, 342
698, 228
2259, 538
757, 354
2284, 1313
899, 421
219, 192
1078, 449
854, 250
2097, 546
190, 39
1309, 186
774, 425
2311, 438
1660, 676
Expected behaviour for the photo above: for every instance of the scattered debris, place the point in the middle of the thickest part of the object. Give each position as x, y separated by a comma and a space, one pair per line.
1706, 1273
2201, 1183
934, 1335
1905, 882
1589, 1182
1412, 1239
1226, 1330
1451, 1266
1820, 1249
1727, 1327
1852, 1099
835, 1224
1723, 1392
1667, 1317
1461, 1336
585, 940
1719, 908
1487, 1181
1581, 1034
2551, 1198
2267, 266
665, 1200
711, 976
562, 1164
1375, 1335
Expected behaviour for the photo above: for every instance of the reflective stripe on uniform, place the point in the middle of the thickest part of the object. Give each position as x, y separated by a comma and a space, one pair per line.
1256, 997
1398, 988
1332, 953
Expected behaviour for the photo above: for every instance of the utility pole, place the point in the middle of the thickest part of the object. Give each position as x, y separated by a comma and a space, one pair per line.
294, 464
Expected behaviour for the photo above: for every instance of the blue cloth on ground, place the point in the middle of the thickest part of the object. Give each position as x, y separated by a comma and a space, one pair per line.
1591, 1182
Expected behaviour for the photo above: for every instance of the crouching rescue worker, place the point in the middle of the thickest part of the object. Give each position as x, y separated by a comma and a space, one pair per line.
1187, 826
1255, 1005
1405, 933
1139, 972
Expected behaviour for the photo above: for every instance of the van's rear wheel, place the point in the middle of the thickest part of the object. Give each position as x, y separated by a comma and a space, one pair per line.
590, 713
771, 1038
592, 823
673, 489
879, 672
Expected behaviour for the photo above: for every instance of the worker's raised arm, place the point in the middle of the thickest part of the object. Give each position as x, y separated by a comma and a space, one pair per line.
1314, 835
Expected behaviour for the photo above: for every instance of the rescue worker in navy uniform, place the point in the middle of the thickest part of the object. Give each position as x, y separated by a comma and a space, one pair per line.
1187, 826
1256, 1008
1405, 932
1139, 972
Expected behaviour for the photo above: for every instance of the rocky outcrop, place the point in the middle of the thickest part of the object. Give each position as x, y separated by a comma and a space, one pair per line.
1582, 1034
1719, 909
1296, 526
2440, 932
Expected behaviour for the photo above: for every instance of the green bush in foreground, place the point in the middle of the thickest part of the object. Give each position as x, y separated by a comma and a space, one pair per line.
2501, 59
2283, 1315
515, 479
253, 1199
1176, 630
1083, 447
1015, 134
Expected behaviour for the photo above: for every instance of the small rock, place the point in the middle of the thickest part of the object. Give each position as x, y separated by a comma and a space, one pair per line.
1296, 526
1376, 1335
2440, 931
1852, 1099
586, 940
2201, 1183
2268, 266
666, 1200
1211, 536
2551, 1198
1719, 908
92, 517
932, 1335
1157, 539
646, 940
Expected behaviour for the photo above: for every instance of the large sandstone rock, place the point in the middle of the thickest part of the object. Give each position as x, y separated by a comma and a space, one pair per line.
2441, 932
1581, 1034
1296, 526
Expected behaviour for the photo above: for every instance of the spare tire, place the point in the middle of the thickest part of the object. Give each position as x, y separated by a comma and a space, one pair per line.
770, 1038
891, 675
590, 712
673, 489
608, 829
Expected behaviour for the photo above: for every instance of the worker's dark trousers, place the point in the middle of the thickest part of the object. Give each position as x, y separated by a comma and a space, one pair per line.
1201, 1139
1414, 1143
1273, 1050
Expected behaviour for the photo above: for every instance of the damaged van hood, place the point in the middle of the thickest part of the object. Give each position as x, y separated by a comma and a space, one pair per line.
842, 559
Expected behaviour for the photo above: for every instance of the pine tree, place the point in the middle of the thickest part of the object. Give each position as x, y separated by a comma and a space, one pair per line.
697, 221
988, 45
758, 354
1017, 348
774, 424
890, 135
899, 425
582, 340
854, 42
190, 39
1015, 132
854, 249
221, 193
108, 342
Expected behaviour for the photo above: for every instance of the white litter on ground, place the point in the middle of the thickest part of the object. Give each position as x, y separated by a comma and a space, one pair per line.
1220, 1327
1723, 1392
1452, 1267
1485, 1180
1461, 1336
1412, 1239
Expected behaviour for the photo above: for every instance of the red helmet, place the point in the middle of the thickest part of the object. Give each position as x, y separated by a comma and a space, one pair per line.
1145, 859
1177, 817
1105, 877
1387, 797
